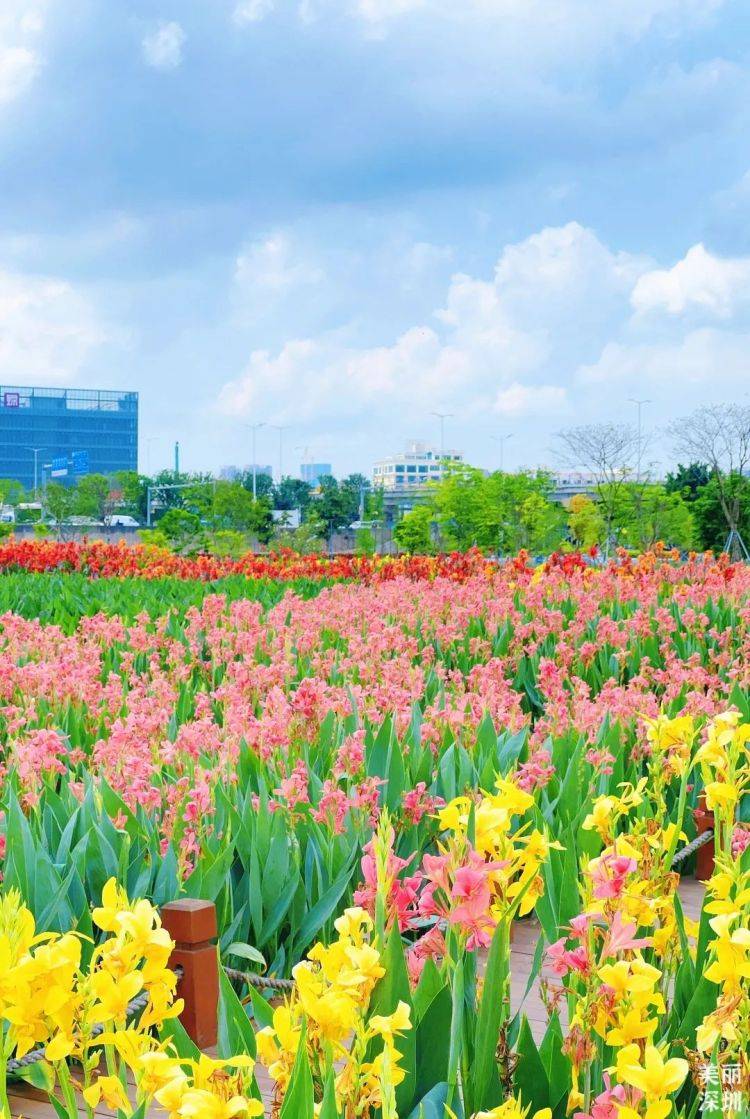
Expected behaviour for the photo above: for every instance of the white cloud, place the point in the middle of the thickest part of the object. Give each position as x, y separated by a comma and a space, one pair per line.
273, 266
18, 68
251, 11
20, 59
526, 400
710, 361
490, 349
162, 49
699, 281
47, 329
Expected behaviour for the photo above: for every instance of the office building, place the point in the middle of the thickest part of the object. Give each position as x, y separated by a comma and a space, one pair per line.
312, 472
416, 465
63, 433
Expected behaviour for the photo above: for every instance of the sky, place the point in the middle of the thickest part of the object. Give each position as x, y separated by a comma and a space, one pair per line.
342, 216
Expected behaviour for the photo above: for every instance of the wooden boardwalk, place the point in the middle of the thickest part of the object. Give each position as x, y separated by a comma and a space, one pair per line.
29, 1103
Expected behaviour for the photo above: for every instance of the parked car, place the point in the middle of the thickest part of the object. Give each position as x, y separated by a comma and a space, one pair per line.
121, 520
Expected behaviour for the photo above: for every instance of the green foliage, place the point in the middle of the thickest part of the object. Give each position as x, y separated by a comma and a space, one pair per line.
688, 480
645, 513
59, 502
364, 542
413, 533
292, 493
91, 496
496, 512
306, 539
182, 530
710, 514
11, 492
585, 522
227, 542
338, 504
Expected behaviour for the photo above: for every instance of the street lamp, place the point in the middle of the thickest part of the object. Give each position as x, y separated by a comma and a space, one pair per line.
442, 416
639, 405
37, 451
254, 429
281, 428
501, 439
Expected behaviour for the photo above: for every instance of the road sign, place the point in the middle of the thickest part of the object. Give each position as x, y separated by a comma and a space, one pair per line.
81, 462
59, 467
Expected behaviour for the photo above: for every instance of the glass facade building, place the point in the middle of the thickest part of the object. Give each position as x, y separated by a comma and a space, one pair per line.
91, 430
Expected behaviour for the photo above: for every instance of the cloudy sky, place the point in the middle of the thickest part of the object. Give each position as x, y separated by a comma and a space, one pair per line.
344, 215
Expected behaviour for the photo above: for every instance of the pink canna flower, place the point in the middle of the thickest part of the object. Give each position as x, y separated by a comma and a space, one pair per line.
619, 937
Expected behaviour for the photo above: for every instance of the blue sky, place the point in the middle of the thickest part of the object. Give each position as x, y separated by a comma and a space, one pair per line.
344, 215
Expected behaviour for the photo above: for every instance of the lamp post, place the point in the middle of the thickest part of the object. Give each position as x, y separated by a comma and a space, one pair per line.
37, 451
442, 416
639, 405
281, 428
501, 439
254, 429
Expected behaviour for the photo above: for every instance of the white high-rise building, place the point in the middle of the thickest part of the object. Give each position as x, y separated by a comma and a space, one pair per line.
418, 464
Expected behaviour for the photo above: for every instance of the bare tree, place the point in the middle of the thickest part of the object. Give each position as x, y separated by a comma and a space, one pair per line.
607, 452
719, 436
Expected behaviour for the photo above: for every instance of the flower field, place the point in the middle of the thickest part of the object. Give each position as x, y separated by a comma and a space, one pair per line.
374, 768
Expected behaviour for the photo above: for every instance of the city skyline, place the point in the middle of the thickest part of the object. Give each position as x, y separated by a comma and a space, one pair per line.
340, 218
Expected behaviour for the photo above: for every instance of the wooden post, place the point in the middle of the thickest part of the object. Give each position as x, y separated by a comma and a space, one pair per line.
192, 926
704, 859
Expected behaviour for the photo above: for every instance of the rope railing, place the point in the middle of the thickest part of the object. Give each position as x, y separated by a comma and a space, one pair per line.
140, 1002
192, 925
691, 848
261, 982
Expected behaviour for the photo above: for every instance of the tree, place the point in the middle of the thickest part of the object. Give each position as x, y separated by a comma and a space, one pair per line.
711, 519
92, 496
132, 487
364, 542
648, 514
263, 483
306, 540
413, 533
292, 493
495, 512
688, 480
585, 522
182, 529
719, 435
11, 492
337, 504
608, 453
59, 503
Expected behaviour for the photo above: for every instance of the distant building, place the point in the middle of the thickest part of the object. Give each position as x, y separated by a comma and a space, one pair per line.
64, 433
418, 464
234, 473
312, 472
571, 483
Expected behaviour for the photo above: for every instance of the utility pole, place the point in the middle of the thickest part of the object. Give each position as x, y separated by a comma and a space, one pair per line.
501, 440
442, 416
254, 428
177, 458
281, 428
639, 404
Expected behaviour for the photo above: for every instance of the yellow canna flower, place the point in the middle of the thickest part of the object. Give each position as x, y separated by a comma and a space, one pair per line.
110, 1090
720, 794
113, 995
656, 1077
